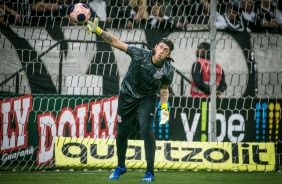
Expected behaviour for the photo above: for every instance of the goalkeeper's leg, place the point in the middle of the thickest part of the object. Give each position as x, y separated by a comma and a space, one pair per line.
146, 113
149, 141
121, 143
127, 118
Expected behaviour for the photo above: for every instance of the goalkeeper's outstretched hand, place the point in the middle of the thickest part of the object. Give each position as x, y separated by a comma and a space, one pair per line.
92, 27
164, 114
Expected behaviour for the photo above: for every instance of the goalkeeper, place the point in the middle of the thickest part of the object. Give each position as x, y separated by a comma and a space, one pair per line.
149, 71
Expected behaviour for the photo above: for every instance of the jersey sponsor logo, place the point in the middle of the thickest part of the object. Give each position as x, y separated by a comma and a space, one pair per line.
119, 119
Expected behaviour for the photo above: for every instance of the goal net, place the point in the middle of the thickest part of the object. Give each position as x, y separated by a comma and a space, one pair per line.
59, 89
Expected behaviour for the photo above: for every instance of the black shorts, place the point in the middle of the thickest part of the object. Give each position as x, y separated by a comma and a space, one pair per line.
131, 109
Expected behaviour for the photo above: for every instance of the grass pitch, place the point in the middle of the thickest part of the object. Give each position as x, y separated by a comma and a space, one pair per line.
134, 177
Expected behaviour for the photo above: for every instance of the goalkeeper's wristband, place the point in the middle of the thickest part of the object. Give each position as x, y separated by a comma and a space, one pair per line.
164, 106
98, 31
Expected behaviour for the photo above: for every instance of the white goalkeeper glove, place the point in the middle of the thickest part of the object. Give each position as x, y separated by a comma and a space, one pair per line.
164, 114
92, 27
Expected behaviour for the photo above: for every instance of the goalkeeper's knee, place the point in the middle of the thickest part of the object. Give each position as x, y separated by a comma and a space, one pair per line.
123, 131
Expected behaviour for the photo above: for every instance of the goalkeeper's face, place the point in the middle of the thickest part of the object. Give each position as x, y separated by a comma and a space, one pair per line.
162, 51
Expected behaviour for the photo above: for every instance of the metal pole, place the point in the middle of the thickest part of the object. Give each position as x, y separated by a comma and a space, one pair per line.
212, 106
61, 55
17, 83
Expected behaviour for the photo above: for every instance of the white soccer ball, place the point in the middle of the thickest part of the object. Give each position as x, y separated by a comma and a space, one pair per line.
80, 13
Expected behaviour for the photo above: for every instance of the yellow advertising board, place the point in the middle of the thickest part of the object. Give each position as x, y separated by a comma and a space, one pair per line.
180, 155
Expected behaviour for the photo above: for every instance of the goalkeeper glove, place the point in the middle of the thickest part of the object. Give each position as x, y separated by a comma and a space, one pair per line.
164, 114
92, 27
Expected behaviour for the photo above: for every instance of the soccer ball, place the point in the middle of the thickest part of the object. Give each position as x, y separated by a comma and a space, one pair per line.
80, 13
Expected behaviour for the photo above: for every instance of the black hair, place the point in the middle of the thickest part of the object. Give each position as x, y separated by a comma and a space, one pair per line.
234, 6
206, 47
170, 44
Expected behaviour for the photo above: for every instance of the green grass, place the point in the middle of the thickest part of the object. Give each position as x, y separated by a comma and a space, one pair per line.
133, 177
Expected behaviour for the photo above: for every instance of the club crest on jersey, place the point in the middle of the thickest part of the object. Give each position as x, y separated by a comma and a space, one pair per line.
158, 75
119, 119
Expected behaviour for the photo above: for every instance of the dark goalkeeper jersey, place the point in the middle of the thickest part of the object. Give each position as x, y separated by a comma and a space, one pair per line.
144, 78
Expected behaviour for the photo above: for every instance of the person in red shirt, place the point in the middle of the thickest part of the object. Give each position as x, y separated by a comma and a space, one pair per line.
200, 83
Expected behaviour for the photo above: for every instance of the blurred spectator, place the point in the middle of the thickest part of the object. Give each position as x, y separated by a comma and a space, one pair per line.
203, 7
222, 6
138, 12
232, 19
157, 18
177, 11
200, 84
98, 9
248, 14
65, 7
44, 6
220, 22
42, 11
9, 13
151, 3
190, 8
278, 12
266, 14
118, 11
202, 10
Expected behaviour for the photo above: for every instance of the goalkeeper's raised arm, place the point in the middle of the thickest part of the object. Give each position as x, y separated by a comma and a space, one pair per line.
92, 27
150, 71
